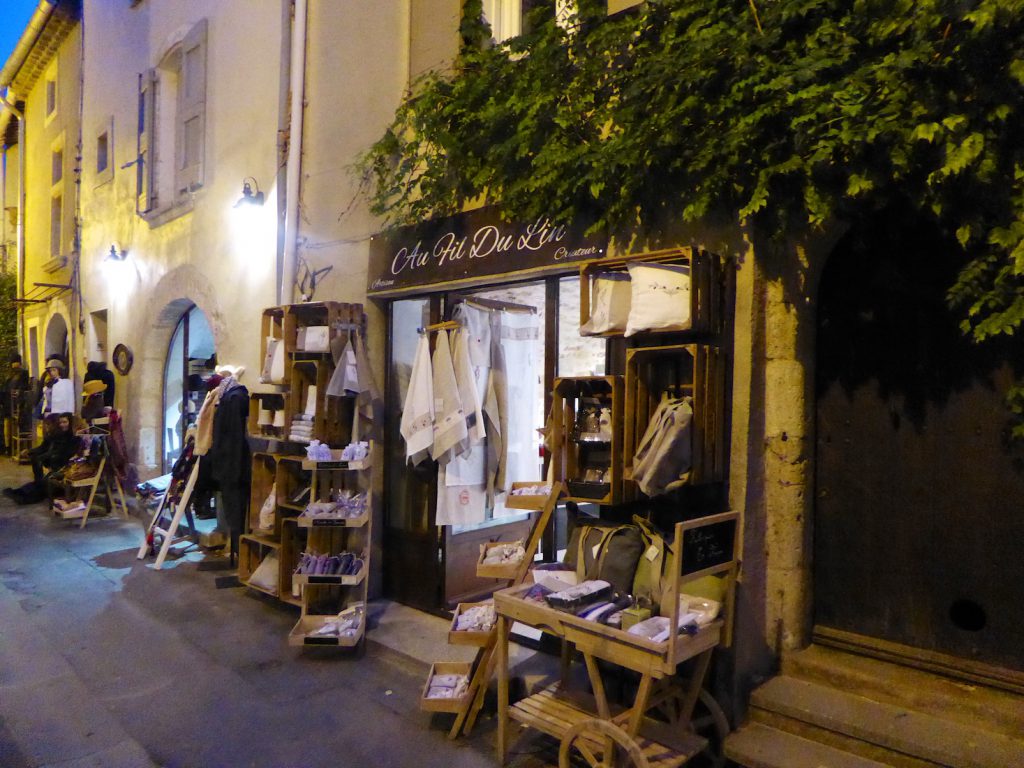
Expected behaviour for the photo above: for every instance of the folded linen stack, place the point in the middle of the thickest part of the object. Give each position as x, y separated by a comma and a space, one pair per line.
346, 624
302, 428
656, 628
447, 686
479, 618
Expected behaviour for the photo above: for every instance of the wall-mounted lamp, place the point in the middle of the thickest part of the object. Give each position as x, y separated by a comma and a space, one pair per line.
248, 196
114, 254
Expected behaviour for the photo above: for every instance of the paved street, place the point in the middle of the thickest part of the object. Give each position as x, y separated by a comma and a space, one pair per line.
107, 662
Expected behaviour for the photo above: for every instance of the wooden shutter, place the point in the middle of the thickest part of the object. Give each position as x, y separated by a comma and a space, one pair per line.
190, 143
145, 160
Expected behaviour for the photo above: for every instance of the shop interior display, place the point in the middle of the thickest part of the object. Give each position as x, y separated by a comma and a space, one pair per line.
308, 538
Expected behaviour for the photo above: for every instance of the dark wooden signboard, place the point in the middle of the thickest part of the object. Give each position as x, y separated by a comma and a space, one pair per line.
473, 245
708, 546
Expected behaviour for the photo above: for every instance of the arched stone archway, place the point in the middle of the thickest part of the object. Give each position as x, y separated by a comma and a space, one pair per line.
56, 338
175, 294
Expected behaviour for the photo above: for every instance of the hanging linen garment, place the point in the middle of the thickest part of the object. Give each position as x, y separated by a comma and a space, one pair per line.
451, 437
417, 425
496, 415
461, 484
345, 379
204, 422
519, 337
469, 387
353, 376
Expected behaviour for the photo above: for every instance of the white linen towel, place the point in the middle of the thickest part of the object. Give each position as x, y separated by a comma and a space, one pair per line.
417, 426
450, 433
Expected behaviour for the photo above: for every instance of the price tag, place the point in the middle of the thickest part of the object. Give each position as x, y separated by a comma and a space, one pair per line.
652, 553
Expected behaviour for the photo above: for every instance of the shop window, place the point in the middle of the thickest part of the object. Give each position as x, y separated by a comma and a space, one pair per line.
172, 127
191, 360
577, 355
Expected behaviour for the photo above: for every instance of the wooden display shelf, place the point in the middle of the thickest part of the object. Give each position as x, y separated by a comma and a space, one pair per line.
337, 463
469, 637
264, 477
496, 571
302, 633
696, 371
447, 705
317, 313
259, 400
532, 502
251, 552
554, 713
333, 578
573, 457
334, 522
707, 287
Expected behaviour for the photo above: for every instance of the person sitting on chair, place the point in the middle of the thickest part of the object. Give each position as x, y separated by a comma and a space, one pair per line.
59, 444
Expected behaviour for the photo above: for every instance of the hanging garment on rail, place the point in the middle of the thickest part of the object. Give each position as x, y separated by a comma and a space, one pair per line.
417, 426
451, 438
469, 386
496, 415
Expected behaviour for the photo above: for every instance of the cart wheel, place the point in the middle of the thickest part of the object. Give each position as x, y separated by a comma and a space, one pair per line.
710, 722
584, 738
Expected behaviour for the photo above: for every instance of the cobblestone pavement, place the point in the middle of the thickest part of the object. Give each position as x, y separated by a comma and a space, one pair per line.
106, 662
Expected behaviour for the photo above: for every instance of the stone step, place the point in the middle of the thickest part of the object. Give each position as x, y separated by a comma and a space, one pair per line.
760, 746
968, 703
907, 734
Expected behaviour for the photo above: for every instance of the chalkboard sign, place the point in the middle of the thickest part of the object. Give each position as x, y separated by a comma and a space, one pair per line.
708, 546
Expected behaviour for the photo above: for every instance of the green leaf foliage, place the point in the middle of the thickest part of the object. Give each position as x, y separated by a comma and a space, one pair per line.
824, 110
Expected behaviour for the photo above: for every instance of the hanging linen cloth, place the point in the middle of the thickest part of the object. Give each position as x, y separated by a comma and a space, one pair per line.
469, 387
519, 336
353, 376
417, 425
496, 415
345, 379
450, 433
204, 422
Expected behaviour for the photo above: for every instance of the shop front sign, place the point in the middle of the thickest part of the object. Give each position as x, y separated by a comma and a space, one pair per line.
477, 244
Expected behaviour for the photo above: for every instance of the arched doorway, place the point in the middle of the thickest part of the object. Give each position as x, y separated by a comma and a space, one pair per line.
919, 540
55, 342
191, 360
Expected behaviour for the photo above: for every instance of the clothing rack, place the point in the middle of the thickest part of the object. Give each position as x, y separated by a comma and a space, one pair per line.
447, 325
493, 305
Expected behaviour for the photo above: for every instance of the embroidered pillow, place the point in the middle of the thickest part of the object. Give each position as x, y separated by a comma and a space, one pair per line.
660, 298
609, 304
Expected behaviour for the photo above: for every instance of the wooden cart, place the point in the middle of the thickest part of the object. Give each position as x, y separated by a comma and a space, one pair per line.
590, 725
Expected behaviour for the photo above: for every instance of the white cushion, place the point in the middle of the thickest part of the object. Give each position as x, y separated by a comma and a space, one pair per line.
660, 298
609, 304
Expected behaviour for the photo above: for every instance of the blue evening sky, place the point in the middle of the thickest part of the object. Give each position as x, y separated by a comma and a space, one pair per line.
14, 16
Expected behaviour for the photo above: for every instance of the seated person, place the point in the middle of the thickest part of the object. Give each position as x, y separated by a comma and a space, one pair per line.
58, 446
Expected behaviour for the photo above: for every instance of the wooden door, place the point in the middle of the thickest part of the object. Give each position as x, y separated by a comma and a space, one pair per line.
919, 534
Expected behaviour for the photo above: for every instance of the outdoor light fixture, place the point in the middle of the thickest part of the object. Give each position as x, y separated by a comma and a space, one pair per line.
248, 196
114, 254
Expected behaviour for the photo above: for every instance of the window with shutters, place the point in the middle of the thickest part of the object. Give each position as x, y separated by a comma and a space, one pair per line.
170, 164
510, 18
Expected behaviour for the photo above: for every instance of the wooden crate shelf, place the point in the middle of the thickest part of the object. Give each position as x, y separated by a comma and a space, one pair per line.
707, 286
690, 370
588, 463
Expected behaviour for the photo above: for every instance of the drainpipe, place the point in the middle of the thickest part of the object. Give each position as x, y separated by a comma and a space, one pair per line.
283, 93
291, 220
8, 102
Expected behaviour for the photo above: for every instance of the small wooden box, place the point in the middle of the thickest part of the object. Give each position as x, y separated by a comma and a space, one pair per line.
524, 501
446, 705
301, 634
498, 571
467, 637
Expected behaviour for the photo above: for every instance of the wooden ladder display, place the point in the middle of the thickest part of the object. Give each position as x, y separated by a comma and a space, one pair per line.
104, 474
470, 704
168, 535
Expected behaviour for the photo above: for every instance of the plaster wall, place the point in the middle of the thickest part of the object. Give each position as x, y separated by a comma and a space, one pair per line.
9, 204
43, 134
219, 258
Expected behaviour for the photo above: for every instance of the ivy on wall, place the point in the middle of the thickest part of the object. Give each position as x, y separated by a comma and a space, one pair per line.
787, 113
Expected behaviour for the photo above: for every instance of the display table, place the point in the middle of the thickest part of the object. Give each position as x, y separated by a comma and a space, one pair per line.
590, 724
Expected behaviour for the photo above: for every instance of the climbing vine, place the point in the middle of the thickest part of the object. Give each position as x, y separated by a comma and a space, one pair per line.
787, 113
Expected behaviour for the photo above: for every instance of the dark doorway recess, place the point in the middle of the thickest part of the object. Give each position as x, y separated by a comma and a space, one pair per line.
919, 536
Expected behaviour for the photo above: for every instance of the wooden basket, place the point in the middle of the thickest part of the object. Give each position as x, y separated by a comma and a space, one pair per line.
446, 705
301, 634
498, 571
524, 501
468, 637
